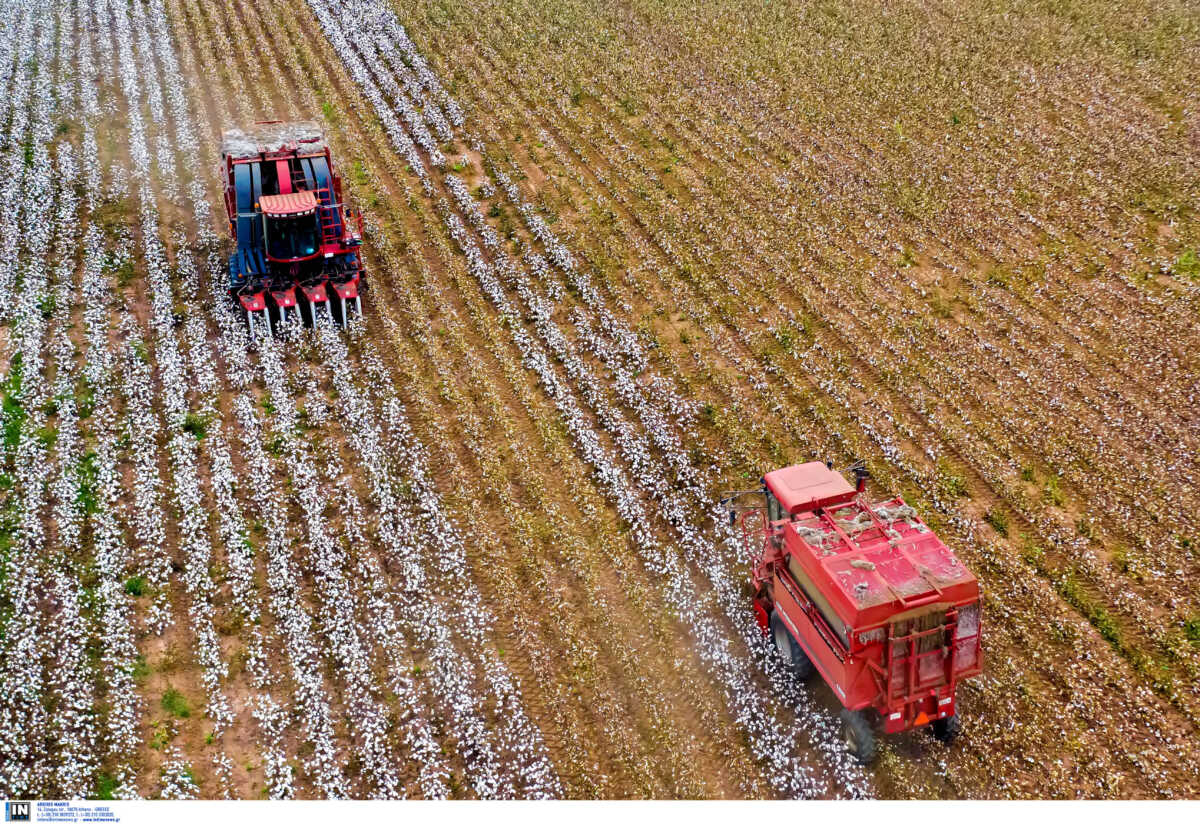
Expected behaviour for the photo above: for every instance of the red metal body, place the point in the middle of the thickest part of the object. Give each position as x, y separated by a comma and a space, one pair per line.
880, 605
293, 232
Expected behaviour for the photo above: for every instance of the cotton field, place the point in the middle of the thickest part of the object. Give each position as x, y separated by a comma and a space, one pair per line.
621, 258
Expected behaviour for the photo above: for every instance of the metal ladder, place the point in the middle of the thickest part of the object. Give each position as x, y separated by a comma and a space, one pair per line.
330, 233
299, 180
905, 684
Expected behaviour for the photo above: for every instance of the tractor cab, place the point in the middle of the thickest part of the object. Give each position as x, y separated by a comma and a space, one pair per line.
290, 226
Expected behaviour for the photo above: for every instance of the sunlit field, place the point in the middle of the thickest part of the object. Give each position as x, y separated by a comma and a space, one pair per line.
621, 257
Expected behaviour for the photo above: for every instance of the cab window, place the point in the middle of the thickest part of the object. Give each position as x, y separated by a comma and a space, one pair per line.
775, 510
291, 238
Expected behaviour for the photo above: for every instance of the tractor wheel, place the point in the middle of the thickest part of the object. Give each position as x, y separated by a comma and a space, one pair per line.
793, 656
801, 665
860, 738
946, 729
781, 637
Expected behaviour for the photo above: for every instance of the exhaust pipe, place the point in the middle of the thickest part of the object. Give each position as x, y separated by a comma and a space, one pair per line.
860, 479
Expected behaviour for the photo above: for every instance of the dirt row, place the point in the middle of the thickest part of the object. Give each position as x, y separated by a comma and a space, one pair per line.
567, 664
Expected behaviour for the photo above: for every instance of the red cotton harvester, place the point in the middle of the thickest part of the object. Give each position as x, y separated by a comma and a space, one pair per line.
865, 594
295, 238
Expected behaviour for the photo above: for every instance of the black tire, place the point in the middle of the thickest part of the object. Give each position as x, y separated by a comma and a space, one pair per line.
794, 657
860, 738
801, 665
946, 729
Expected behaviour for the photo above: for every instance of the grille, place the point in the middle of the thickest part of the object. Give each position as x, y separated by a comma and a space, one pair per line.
921, 623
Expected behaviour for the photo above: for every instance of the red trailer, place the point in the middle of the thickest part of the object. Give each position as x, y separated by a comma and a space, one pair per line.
865, 594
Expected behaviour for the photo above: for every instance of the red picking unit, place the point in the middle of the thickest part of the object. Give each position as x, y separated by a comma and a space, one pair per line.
294, 234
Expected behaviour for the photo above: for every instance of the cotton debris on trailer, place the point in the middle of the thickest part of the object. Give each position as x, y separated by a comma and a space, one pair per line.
268, 137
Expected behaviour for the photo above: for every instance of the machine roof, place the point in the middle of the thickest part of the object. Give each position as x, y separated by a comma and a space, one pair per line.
806, 486
296, 203
881, 558
271, 137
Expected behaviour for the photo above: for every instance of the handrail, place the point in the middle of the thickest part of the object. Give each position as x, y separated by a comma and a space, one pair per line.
920, 600
908, 684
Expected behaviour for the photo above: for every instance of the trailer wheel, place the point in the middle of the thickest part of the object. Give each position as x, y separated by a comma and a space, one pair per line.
946, 729
793, 656
860, 738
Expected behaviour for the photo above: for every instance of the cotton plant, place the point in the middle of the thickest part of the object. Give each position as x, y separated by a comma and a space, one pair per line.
142, 426
39, 667
20, 131
293, 621
642, 461
112, 554
181, 446
325, 765
272, 721
789, 776
178, 779
335, 598
363, 77
404, 450
377, 614
424, 617
76, 722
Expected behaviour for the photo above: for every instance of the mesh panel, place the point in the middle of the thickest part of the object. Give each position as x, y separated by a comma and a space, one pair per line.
920, 623
930, 667
968, 620
822, 604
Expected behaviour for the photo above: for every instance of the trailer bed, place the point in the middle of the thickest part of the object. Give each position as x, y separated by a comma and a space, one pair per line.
873, 561
271, 137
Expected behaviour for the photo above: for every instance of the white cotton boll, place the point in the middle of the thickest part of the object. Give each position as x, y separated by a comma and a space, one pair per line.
178, 781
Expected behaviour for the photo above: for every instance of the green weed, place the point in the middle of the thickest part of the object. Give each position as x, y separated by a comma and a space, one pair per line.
106, 785
950, 482
1188, 265
1051, 493
174, 703
998, 520
197, 425
1191, 629
87, 475
140, 669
